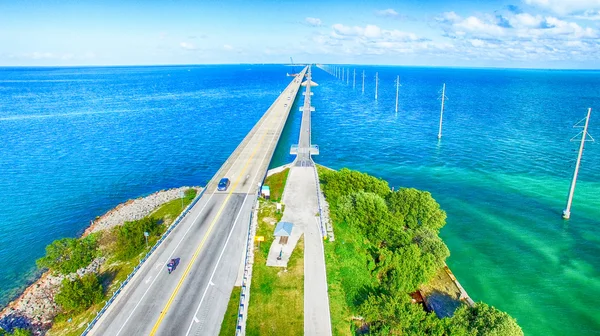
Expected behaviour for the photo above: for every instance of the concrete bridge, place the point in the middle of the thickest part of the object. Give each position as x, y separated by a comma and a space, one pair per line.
209, 242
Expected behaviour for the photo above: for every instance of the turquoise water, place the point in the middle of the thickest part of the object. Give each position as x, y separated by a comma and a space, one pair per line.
78, 141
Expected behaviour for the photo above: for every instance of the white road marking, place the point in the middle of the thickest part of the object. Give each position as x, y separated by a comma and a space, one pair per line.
229, 236
148, 280
169, 258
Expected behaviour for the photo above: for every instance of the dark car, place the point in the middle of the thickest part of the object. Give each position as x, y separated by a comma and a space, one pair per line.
223, 184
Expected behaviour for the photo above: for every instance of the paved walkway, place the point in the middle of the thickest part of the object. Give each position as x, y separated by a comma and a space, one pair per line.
301, 208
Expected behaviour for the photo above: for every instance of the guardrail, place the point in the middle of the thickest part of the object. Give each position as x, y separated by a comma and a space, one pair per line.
321, 221
132, 274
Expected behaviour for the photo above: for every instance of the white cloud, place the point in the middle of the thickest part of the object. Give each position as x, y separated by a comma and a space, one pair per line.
315, 22
227, 47
187, 46
526, 20
387, 13
475, 24
589, 15
519, 36
565, 7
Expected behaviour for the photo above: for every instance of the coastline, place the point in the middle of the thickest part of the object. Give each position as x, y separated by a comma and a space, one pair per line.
34, 308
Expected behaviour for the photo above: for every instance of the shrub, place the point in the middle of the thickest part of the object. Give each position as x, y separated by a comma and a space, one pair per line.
130, 236
67, 255
79, 294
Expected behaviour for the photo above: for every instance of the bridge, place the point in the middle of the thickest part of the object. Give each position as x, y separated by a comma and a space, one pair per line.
208, 242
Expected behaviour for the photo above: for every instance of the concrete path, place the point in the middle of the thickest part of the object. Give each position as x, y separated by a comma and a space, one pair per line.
301, 208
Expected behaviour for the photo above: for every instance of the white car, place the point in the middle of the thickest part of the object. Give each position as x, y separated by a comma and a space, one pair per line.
284, 105
289, 98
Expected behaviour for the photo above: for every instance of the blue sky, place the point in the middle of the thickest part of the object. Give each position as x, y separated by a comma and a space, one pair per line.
519, 33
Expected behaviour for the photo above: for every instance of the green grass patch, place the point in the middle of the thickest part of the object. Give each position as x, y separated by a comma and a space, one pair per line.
347, 275
170, 210
276, 183
230, 319
276, 296
115, 270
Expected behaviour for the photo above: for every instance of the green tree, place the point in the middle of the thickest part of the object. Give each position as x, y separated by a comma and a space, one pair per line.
67, 255
429, 242
130, 236
403, 270
346, 181
16, 332
416, 208
396, 315
367, 211
79, 294
483, 319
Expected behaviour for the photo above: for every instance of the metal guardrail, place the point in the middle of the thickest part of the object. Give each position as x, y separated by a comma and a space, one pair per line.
240, 327
132, 274
321, 222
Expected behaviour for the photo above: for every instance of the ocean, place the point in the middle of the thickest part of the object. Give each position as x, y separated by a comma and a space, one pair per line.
75, 142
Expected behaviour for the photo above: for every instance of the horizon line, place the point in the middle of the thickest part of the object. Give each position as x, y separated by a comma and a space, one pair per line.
288, 64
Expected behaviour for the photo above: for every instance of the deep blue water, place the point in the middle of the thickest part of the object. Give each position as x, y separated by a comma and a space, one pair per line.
75, 142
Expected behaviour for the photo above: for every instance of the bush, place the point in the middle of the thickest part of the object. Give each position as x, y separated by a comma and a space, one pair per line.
16, 332
130, 236
400, 230
345, 182
416, 208
483, 319
67, 255
79, 294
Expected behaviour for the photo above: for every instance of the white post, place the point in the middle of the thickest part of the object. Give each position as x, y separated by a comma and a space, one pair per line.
567, 211
342, 74
442, 110
397, 90
376, 82
347, 76
363, 88
354, 80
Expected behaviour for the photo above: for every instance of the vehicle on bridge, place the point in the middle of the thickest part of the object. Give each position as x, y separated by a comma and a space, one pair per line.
223, 184
172, 265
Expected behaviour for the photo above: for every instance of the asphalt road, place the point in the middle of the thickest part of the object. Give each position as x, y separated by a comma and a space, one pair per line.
209, 244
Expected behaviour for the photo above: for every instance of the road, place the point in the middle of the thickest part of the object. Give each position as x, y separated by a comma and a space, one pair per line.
209, 243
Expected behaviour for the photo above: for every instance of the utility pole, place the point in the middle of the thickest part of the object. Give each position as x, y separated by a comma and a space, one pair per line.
376, 82
567, 212
397, 90
354, 81
363, 88
442, 110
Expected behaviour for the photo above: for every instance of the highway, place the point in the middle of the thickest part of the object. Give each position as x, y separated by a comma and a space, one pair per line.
209, 242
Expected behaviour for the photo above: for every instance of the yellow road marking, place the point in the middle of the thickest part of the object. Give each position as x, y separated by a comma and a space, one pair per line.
163, 313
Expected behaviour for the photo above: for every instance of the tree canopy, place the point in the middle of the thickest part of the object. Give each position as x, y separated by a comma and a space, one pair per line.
483, 320
79, 294
404, 252
67, 255
130, 236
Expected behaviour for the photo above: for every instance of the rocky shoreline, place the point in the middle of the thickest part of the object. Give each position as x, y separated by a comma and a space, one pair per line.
35, 308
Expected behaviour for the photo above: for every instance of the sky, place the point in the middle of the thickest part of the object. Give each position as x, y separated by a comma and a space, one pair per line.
476, 33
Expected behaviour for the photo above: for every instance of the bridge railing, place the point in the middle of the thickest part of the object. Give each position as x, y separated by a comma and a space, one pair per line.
142, 261
321, 220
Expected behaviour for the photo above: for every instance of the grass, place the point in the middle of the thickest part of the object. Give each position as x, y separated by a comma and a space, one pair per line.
115, 271
277, 296
276, 183
347, 263
230, 319
170, 210
347, 276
